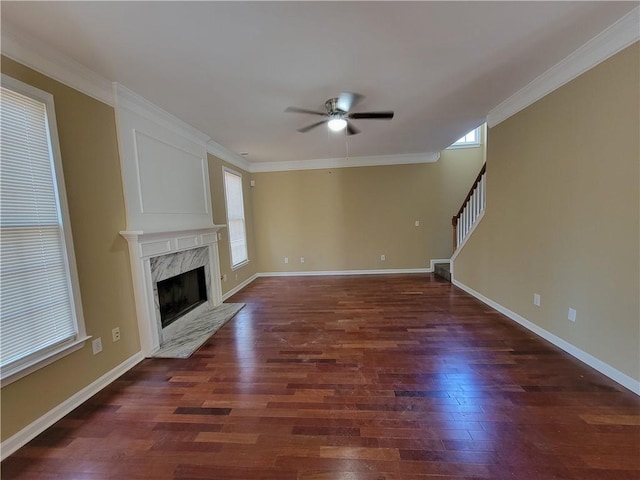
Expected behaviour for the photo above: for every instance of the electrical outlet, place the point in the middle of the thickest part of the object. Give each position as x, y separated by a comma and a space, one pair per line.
96, 345
572, 315
286, 259
224, 277
383, 257
115, 334
219, 235
301, 259
417, 223
536, 299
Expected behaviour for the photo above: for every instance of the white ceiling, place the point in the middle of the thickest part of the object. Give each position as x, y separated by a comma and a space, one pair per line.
231, 68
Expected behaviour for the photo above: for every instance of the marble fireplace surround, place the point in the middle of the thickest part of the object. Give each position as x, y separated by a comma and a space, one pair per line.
156, 256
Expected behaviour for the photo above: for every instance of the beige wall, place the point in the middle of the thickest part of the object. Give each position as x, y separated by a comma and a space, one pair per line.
345, 218
562, 214
96, 206
245, 272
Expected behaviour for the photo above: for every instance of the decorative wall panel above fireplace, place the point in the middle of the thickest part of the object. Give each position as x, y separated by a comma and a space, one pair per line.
164, 167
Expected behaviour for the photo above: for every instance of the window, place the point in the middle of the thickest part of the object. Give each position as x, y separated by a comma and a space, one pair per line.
471, 139
41, 316
235, 217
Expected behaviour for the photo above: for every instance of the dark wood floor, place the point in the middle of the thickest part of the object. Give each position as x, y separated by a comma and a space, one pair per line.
371, 377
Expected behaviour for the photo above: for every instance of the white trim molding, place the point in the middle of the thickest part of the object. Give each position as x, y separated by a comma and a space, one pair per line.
28, 433
453, 146
433, 262
143, 246
604, 368
239, 287
312, 273
606, 44
228, 156
164, 167
125, 98
29, 362
43, 360
405, 159
44, 59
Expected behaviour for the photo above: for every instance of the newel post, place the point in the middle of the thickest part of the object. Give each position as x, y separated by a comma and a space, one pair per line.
454, 223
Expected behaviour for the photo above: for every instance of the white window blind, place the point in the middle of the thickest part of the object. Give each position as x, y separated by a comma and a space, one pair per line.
37, 310
235, 217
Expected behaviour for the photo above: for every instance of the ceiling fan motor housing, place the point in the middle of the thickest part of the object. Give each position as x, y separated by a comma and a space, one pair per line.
332, 108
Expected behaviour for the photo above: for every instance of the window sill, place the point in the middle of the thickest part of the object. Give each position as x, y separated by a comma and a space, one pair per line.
10, 375
240, 265
466, 145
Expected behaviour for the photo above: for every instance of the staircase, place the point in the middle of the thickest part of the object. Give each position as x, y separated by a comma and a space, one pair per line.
472, 208
465, 220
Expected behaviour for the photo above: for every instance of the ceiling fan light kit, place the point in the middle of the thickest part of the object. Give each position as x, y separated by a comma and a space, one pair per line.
337, 124
338, 109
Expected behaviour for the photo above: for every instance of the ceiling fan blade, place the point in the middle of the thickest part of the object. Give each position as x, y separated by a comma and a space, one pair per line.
347, 100
304, 110
371, 115
351, 130
313, 125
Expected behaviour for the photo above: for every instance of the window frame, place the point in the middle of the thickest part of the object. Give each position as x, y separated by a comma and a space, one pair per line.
226, 170
477, 143
48, 355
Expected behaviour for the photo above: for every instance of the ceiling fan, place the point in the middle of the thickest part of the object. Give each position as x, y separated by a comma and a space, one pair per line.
338, 114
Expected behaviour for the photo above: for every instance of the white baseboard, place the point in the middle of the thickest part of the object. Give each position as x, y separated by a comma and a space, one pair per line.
438, 260
35, 428
239, 287
604, 368
309, 273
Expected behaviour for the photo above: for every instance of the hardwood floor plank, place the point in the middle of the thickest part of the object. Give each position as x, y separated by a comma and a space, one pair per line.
225, 437
365, 377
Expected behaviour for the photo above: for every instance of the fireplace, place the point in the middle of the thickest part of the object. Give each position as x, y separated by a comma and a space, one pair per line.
179, 289
160, 256
180, 294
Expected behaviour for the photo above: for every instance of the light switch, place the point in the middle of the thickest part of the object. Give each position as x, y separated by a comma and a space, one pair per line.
536, 299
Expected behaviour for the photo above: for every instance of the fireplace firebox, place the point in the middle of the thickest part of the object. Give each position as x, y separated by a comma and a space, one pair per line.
181, 294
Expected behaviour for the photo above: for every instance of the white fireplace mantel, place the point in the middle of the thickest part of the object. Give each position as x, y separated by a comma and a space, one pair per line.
167, 196
145, 245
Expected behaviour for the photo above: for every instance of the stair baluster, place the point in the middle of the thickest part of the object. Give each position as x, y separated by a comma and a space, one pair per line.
471, 209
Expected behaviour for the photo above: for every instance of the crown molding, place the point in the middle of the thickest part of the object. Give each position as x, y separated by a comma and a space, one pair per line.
44, 59
228, 156
318, 164
607, 43
128, 99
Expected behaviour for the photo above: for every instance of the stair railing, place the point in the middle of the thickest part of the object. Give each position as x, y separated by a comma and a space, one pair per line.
470, 210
